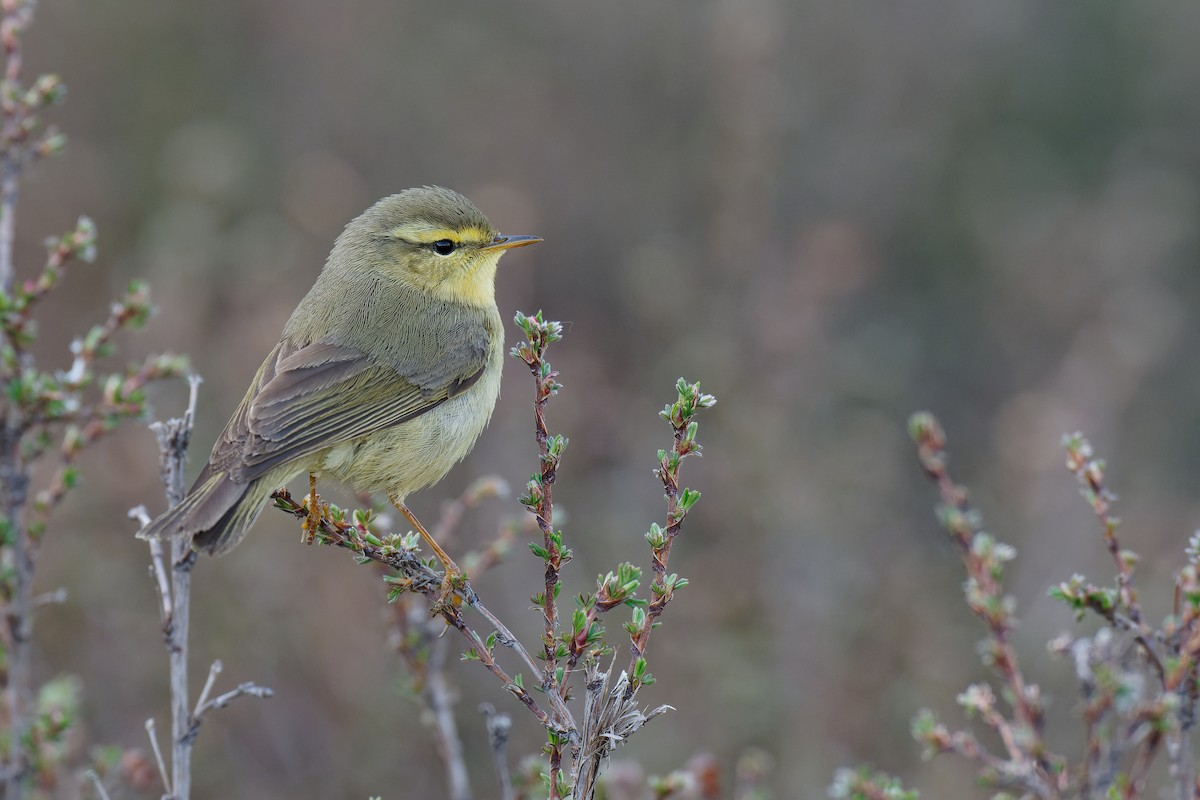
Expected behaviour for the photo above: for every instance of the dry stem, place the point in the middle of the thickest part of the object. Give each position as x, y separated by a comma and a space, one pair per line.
499, 726
175, 609
14, 477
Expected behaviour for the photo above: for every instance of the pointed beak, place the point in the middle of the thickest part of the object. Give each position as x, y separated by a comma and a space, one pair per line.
509, 242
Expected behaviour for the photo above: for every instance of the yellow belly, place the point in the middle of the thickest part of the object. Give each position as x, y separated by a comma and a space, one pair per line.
418, 453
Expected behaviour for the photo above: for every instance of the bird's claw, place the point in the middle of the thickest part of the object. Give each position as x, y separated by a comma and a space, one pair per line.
313, 521
448, 598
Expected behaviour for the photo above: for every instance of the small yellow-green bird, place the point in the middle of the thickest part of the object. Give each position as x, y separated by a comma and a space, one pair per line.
385, 375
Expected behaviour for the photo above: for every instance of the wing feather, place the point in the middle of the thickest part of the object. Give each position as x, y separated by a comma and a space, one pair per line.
308, 398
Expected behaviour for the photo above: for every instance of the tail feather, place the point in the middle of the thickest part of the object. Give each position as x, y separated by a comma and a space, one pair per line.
233, 526
217, 513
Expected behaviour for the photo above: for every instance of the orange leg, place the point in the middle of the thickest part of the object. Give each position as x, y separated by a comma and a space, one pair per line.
453, 573
314, 511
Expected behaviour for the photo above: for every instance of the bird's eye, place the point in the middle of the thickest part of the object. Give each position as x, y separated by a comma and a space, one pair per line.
443, 247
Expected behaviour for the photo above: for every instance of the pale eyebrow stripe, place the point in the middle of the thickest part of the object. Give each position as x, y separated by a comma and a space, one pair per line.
421, 234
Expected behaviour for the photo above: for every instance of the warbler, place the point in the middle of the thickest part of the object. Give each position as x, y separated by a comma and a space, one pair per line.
384, 377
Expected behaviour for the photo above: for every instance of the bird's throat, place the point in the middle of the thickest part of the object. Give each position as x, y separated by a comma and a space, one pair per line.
474, 285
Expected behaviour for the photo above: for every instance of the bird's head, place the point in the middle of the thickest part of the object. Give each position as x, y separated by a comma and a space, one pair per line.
433, 239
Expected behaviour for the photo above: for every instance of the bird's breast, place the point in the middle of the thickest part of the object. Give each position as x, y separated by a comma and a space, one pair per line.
418, 453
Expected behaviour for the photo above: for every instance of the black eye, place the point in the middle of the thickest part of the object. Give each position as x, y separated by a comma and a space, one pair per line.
443, 247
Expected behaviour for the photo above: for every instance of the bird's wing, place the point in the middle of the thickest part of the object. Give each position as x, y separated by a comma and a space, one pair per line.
310, 397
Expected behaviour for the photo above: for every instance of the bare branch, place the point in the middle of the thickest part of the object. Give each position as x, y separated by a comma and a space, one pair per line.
56, 597
94, 779
152, 732
158, 568
438, 699
499, 726
174, 591
610, 716
248, 689
213, 672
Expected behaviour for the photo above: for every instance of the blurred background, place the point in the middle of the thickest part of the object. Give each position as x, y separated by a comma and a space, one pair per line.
831, 215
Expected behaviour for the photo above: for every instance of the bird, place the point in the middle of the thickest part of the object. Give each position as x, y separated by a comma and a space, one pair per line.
384, 377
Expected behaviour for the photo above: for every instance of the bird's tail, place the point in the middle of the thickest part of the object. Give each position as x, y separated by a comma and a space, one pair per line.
216, 513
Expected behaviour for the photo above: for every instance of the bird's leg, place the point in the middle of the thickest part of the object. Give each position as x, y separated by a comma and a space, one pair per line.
314, 510
453, 573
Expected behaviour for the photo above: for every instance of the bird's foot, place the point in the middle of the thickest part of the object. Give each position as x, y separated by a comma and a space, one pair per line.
312, 523
315, 511
454, 579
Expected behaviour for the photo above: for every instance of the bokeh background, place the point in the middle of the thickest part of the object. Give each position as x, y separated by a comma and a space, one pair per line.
831, 214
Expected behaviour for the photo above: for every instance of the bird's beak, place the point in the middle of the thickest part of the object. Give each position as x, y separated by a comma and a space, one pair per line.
509, 242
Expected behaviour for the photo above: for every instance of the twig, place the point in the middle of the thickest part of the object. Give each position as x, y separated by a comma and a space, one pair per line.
499, 726
451, 516
1089, 472
8, 210
540, 491
94, 779
983, 560
213, 672
14, 485
56, 597
158, 570
417, 577
16, 18
221, 701
438, 698
173, 436
152, 732
610, 716
680, 416
418, 641
14, 477
40, 405
539, 500
174, 593
508, 639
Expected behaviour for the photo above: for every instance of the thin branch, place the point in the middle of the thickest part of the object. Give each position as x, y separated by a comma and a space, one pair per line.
1089, 472
158, 568
8, 212
539, 498
92, 777
248, 689
173, 436
152, 732
611, 715
56, 597
983, 559
416, 577
439, 700
499, 726
418, 639
204, 704
680, 416
174, 590
18, 628
213, 672
508, 639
